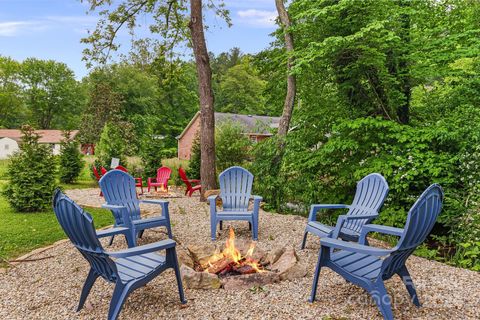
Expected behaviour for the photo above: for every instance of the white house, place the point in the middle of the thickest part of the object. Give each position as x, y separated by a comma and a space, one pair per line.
10, 139
7, 147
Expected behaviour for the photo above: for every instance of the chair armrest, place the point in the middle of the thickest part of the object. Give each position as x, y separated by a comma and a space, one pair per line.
194, 181
358, 217
151, 201
212, 198
315, 207
111, 232
256, 204
379, 228
344, 218
354, 247
152, 247
257, 198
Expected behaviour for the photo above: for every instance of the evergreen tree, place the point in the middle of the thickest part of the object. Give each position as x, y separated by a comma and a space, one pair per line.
111, 145
195, 159
71, 162
31, 175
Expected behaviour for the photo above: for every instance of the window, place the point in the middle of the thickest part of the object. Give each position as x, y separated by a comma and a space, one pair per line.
7, 147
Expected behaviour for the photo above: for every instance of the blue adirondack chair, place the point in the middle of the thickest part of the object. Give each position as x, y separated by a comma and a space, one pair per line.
129, 269
235, 191
119, 191
369, 197
368, 267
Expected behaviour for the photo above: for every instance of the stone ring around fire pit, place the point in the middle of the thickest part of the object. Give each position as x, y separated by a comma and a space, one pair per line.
237, 265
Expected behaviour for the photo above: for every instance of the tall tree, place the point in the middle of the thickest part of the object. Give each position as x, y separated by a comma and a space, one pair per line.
52, 94
168, 21
12, 112
207, 116
291, 79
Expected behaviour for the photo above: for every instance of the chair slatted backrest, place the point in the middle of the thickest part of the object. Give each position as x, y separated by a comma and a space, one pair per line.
420, 221
235, 188
78, 225
121, 168
95, 172
163, 174
119, 189
184, 178
369, 197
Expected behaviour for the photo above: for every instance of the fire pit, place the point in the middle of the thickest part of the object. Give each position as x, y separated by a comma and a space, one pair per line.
237, 265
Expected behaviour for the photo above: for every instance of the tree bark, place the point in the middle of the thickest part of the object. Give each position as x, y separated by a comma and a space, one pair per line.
207, 116
291, 79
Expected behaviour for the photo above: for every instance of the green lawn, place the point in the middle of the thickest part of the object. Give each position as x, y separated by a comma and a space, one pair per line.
24, 232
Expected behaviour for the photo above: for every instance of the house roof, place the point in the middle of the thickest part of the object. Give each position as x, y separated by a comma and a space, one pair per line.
252, 124
46, 136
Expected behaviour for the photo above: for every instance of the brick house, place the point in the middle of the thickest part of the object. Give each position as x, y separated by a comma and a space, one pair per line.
256, 128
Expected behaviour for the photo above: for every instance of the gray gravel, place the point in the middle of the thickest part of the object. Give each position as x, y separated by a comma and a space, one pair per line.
49, 289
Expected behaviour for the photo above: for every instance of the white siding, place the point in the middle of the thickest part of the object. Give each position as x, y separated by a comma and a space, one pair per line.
7, 147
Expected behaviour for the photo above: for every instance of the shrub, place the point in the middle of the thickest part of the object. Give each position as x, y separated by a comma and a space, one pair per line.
232, 146
111, 145
31, 175
71, 162
153, 152
193, 171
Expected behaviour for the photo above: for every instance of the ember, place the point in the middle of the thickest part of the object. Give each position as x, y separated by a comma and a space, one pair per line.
230, 261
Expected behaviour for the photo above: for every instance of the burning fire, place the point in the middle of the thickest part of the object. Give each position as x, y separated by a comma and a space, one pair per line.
231, 260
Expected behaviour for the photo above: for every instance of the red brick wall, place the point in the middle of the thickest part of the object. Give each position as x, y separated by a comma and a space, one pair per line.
186, 141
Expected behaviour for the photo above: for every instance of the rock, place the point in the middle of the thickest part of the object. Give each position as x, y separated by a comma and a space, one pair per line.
299, 270
272, 256
248, 281
288, 267
243, 245
202, 253
184, 257
199, 280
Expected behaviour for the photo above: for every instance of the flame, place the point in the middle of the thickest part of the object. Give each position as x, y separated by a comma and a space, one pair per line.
233, 254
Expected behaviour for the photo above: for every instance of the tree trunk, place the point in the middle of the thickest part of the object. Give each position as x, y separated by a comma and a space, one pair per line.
207, 116
291, 79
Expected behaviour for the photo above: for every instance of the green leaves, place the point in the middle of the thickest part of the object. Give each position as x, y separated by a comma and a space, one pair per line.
31, 175
70, 160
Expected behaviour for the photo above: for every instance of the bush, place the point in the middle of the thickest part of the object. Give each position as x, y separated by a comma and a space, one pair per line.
31, 175
193, 171
153, 151
112, 144
71, 162
232, 146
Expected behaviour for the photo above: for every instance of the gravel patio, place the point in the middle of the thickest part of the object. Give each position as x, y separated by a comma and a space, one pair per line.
50, 288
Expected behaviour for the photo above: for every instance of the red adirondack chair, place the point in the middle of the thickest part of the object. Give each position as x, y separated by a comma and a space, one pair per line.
190, 188
97, 176
138, 181
103, 170
163, 175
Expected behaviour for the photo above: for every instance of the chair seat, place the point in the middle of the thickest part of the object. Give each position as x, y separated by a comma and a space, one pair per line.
234, 213
161, 220
197, 187
345, 233
136, 267
358, 264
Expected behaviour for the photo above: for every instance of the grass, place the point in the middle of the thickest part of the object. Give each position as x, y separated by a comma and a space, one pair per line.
24, 232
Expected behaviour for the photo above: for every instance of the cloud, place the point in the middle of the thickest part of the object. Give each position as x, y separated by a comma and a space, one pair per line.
257, 18
14, 28
79, 24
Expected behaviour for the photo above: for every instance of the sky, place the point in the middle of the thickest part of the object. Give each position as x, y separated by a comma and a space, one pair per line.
52, 29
